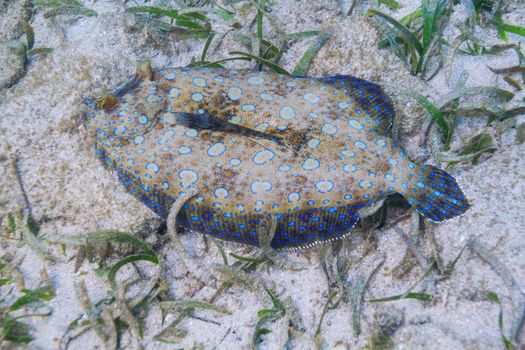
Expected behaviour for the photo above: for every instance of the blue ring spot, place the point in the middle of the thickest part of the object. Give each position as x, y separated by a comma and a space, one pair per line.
263, 156
188, 177
313, 143
184, 149
365, 184
216, 149
390, 177
152, 98
197, 97
258, 186
360, 144
266, 96
311, 98
143, 119
169, 74
248, 107
235, 93
329, 129
221, 193
311, 164
287, 113
200, 82
392, 162
152, 166
235, 161
324, 186
255, 80
294, 197
191, 133
356, 124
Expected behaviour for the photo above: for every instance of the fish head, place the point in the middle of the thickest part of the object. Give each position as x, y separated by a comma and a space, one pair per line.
129, 110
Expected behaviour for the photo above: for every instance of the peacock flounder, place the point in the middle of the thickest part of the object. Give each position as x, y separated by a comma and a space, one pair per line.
311, 152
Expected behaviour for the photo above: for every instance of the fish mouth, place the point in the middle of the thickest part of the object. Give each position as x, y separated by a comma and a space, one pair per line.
89, 101
87, 111
83, 114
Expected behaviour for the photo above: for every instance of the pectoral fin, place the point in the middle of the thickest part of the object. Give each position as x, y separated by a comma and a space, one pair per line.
207, 122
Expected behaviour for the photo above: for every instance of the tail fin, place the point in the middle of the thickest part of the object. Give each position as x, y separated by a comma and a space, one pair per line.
437, 195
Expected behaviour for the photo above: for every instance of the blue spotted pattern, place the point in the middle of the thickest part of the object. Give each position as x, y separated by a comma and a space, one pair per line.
309, 152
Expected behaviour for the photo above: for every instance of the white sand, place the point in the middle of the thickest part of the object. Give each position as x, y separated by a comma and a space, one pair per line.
71, 194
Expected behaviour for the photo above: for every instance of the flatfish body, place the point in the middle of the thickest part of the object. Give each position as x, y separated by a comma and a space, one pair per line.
310, 152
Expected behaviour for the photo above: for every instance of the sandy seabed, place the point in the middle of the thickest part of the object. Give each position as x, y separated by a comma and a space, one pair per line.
71, 194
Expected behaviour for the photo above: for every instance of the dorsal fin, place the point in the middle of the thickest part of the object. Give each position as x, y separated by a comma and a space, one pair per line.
368, 96
127, 86
143, 73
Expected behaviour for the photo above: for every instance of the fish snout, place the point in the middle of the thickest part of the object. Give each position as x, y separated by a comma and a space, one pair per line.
123, 116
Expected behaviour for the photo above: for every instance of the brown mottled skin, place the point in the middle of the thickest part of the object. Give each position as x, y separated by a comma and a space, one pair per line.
310, 152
